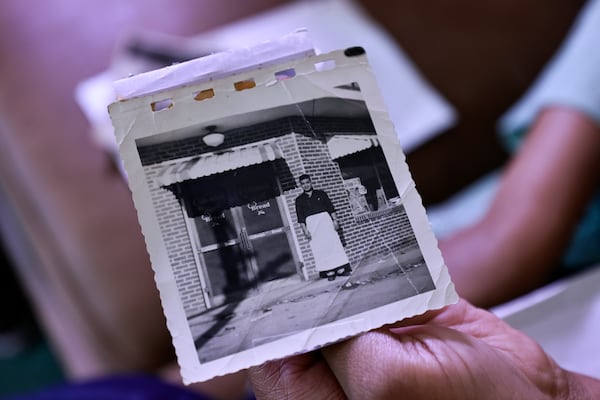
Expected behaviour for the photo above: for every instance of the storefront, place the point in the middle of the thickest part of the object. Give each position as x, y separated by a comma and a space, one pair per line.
236, 217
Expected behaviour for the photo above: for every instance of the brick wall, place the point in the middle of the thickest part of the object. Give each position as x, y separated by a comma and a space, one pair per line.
177, 241
389, 232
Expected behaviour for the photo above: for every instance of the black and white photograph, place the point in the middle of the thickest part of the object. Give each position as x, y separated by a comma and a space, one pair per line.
287, 216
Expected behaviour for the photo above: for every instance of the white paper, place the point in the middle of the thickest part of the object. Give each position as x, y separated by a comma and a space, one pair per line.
416, 109
564, 317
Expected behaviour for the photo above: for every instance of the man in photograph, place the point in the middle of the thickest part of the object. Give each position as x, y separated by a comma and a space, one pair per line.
317, 217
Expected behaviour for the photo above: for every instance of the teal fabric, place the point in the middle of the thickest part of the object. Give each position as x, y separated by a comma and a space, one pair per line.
31, 369
585, 243
571, 79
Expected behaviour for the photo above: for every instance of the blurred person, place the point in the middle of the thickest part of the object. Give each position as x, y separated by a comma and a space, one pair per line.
459, 352
544, 221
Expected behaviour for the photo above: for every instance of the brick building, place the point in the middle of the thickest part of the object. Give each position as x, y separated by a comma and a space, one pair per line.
227, 213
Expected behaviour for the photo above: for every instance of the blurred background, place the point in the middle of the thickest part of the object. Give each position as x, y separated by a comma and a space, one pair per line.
77, 294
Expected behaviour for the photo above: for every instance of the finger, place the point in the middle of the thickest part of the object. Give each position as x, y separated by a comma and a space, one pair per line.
361, 365
462, 317
420, 319
306, 376
457, 316
470, 320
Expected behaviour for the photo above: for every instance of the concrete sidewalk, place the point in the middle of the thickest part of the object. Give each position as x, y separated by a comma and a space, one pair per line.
289, 305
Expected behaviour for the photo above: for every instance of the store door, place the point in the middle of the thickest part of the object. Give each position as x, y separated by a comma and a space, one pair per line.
268, 239
247, 243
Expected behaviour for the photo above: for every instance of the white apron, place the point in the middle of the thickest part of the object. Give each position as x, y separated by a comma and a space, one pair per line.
325, 243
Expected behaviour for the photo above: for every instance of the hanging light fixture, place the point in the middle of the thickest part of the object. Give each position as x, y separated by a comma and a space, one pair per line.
213, 138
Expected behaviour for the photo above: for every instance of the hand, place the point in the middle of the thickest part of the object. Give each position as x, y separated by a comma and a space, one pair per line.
460, 352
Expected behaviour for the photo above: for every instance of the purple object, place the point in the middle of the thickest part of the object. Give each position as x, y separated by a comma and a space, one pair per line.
122, 387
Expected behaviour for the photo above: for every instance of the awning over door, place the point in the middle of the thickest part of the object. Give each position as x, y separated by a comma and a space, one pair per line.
217, 162
343, 145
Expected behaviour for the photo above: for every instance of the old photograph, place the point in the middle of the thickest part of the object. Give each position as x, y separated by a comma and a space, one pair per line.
287, 219
292, 221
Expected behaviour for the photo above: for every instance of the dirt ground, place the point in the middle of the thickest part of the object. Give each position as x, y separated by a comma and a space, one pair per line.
285, 306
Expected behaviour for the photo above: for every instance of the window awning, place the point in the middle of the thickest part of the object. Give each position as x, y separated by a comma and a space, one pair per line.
343, 145
217, 162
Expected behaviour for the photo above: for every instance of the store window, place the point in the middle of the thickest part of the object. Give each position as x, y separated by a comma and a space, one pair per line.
368, 181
